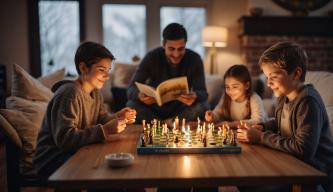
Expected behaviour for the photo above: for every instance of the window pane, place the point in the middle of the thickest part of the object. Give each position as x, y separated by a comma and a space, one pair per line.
124, 31
193, 19
59, 35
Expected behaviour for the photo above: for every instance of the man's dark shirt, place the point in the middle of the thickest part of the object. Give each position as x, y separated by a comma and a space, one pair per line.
155, 68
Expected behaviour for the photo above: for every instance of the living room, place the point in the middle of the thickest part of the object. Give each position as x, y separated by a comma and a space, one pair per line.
251, 26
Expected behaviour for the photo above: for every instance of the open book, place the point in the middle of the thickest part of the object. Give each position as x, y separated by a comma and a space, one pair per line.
166, 91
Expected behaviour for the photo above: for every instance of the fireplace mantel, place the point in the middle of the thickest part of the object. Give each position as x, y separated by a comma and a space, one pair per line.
315, 34
294, 26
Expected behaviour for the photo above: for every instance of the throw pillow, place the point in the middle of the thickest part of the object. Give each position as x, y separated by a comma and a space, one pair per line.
122, 74
26, 117
52, 78
9, 131
25, 86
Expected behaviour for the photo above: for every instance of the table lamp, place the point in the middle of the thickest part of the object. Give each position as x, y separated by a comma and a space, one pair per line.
214, 37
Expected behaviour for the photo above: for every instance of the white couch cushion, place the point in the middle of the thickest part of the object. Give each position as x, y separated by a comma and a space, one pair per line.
323, 83
51, 79
122, 74
214, 85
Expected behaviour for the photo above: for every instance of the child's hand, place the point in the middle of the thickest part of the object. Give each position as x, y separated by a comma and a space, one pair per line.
115, 126
128, 114
249, 134
209, 116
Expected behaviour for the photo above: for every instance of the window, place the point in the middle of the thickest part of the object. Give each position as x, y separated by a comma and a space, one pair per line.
59, 35
124, 30
192, 18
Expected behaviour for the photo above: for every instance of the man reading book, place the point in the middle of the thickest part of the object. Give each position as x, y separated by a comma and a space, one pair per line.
170, 61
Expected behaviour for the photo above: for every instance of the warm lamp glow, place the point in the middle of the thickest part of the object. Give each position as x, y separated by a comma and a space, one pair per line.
214, 36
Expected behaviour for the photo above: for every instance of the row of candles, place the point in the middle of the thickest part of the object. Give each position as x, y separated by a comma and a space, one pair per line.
186, 130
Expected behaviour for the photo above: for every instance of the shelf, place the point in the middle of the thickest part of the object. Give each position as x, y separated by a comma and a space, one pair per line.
289, 26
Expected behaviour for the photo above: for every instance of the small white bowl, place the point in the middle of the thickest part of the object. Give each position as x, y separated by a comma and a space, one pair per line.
119, 159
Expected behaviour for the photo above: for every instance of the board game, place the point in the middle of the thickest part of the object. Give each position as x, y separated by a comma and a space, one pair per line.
184, 139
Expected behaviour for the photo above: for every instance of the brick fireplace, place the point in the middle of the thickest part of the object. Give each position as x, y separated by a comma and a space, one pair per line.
314, 34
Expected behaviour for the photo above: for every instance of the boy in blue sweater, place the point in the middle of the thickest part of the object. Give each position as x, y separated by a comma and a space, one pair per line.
301, 126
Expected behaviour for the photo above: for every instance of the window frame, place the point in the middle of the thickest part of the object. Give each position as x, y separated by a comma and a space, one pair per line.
153, 16
122, 3
34, 34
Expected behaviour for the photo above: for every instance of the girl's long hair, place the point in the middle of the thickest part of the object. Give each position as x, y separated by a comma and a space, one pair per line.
242, 74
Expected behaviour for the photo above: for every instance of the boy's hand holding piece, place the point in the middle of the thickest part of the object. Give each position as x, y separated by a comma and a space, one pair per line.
128, 114
249, 133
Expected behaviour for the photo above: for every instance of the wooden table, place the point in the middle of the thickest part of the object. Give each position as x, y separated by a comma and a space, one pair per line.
255, 165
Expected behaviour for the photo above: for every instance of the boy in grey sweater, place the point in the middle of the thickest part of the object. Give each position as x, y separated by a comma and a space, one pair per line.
76, 115
301, 126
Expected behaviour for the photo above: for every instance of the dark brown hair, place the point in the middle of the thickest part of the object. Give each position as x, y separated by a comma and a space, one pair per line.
286, 56
174, 31
91, 53
242, 74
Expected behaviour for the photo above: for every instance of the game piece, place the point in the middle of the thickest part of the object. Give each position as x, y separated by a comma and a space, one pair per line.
143, 143
150, 138
176, 139
205, 141
144, 124
176, 123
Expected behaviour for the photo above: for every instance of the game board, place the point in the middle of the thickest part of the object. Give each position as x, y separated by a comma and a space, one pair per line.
157, 139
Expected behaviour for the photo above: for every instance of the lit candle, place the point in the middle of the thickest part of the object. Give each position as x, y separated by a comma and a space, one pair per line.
183, 129
144, 124
204, 127
177, 122
220, 131
198, 129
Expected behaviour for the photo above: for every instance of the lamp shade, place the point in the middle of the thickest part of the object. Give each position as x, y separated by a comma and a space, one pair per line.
214, 36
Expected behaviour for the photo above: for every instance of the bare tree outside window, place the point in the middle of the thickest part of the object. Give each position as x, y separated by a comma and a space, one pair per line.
59, 35
192, 18
124, 30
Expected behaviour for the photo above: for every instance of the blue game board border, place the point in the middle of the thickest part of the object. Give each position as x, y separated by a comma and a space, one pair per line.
229, 149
